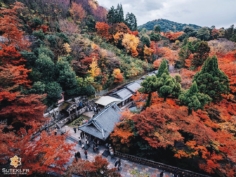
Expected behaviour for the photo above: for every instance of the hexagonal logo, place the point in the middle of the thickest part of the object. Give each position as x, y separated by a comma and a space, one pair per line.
15, 161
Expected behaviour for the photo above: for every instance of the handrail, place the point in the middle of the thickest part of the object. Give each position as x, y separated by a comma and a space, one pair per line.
159, 165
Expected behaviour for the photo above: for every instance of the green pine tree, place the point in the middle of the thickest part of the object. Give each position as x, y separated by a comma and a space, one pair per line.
193, 99
149, 85
211, 80
167, 86
163, 68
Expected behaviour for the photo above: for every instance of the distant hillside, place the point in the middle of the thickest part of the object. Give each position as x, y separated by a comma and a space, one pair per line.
167, 25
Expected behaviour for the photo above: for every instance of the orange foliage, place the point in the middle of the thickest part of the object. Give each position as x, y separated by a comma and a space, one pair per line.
103, 30
168, 54
77, 11
9, 26
186, 78
157, 63
212, 140
122, 134
139, 99
134, 33
87, 168
117, 75
154, 47
24, 113
173, 35
228, 66
147, 53
119, 27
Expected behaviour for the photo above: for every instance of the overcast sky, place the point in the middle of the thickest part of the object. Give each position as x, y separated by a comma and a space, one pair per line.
221, 13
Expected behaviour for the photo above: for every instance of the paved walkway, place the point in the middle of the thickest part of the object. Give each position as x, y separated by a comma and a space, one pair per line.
128, 168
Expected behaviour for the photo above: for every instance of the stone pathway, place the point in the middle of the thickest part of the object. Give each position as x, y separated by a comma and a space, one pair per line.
128, 168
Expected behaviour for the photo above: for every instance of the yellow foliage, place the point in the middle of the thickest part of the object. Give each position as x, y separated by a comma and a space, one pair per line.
95, 46
148, 51
95, 70
67, 47
93, 4
130, 42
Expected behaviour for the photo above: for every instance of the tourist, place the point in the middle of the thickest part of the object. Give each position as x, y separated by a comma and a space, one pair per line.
79, 140
82, 134
86, 154
74, 129
77, 156
118, 163
162, 174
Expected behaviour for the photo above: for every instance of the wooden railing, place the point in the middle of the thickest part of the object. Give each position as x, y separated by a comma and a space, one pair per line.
159, 165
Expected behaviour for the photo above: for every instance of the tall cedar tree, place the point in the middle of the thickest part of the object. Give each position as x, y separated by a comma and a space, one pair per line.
115, 15
211, 80
131, 21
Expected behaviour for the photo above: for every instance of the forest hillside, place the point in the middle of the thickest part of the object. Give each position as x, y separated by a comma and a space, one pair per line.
167, 25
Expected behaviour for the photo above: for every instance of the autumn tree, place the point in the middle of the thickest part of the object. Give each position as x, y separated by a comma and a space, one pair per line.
211, 80
193, 99
23, 114
103, 30
117, 75
130, 42
77, 12
10, 27
94, 69
98, 168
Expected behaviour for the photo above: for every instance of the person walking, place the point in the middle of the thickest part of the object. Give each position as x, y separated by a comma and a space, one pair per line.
77, 156
79, 140
82, 134
86, 154
161, 174
74, 129
118, 163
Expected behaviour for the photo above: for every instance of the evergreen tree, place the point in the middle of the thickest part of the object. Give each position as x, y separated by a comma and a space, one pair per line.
111, 15
149, 85
46, 67
155, 36
115, 15
156, 29
193, 99
211, 80
202, 52
66, 77
167, 86
145, 40
53, 90
162, 69
131, 21
120, 14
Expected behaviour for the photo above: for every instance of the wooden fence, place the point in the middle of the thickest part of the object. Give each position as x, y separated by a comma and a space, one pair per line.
159, 165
